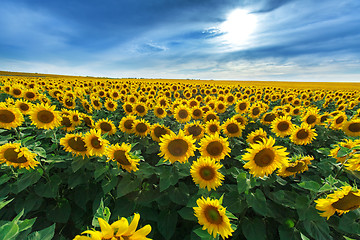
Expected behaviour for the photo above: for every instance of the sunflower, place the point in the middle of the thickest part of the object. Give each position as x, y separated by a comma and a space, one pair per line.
44, 116
96, 103
257, 136
88, 120
255, 111
118, 230
232, 128
24, 106
341, 201
281, 126
240, 119
347, 144
182, 114
352, 128
353, 164
10, 117
324, 118
268, 118
220, 107
242, 106
264, 158
66, 123
177, 147
14, 155
338, 121
30, 95
140, 109
204, 172
213, 217
69, 103
210, 115
214, 146
157, 131
121, 154
311, 117
106, 126
160, 111
110, 105
126, 124
75, 118
95, 144
75, 144
195, 129
141, 128
298, 165
17, 91
128, 108
302, 135
212, 127
196, 113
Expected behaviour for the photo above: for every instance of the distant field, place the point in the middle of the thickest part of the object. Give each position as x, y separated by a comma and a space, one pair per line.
312, 85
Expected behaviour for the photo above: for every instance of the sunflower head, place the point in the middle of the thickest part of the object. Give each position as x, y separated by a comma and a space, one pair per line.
141, 128
232, 128
95, 144
10, 117
298, 164
257, 136
204, 172
45, 117
157, 131
182, 114
212, 127
352, 128
214, 146
177, 147
281, 126
302, 135
121, 154
195, 129
14, 155
106, 126
74, 143
126, 124
264, 158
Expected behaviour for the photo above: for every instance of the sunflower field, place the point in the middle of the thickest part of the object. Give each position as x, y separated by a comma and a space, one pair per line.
132, 159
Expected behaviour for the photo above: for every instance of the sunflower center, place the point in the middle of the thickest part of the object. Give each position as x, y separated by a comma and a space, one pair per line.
297, 168
69, 103
323, 118
87, 121
24, 107
212, 215
140, 108
75, 118
302, 134
95, 143
232, 128
354, 127
283, 126
111, 105
183, 114
6, 116
257, 139
214, 148
195, 130
242, 106
221, 106
230, 99
141, 127
159, 131
106, 127
120, 157
311, 119
255, 111
213, 128
12, 156
17, 91
269, 117
30, 95
339, 120
207, 173
45, 116
66, 122
178, 147
210, 117
348, 202
77, 144
128, 124
96, 103
296, 111
160, 111
264, 158
197, 112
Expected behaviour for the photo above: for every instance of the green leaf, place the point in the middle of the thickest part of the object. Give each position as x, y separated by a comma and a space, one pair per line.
78, 162
20, 214
45, 234
100, 171
253, 229
4, 203
4, 178
168, 177
242, 182
26, 224
180, 195
9, 231
48, 189
127, 185
318, 229
107, 186
349, 224
59, 213
162, 161
40, 151
288, 233
343, 151
310, 185
187, 214
258, 202
27, 179
167, 223
102, 212
324, 151
203, 234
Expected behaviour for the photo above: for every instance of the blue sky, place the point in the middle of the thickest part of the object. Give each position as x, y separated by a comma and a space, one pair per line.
296, 40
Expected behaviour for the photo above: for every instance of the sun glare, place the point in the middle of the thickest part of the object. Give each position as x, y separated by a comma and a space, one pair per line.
238, 27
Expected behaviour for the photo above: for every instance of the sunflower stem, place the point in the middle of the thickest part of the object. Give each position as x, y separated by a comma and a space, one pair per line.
46, 176
341, 167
